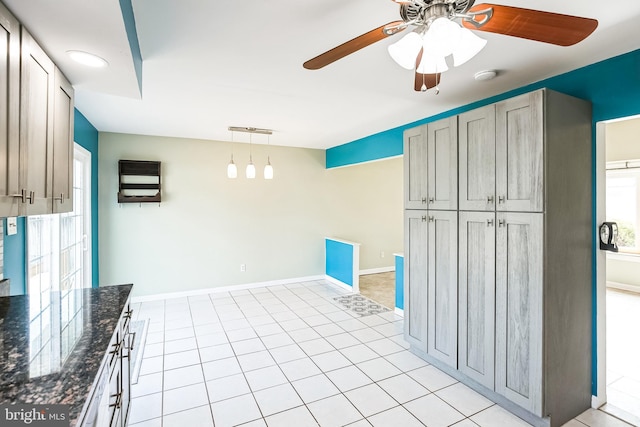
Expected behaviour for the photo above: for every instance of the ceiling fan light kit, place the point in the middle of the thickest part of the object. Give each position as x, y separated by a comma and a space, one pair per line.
436, 35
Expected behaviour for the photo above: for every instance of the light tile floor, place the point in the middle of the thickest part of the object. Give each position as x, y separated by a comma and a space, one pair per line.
290, 356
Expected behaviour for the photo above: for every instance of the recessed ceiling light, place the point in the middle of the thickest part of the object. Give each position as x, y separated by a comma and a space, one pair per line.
88, 59
481, 76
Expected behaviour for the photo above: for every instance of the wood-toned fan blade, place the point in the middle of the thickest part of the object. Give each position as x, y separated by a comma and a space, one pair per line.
547, 27
349, 47
429, 80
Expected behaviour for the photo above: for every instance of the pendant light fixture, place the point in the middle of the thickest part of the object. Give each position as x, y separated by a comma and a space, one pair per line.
268, 169
232, 170
251, 169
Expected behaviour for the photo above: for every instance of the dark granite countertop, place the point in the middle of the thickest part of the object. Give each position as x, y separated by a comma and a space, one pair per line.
52, 345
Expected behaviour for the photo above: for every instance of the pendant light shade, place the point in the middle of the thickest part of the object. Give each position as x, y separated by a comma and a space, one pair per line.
468, 47
251, 169
232, 170
405, 50
268, 170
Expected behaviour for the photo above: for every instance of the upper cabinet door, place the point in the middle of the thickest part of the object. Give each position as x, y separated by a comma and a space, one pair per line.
62, 145
442, 268
519, 309
36, 130
415, 168
478, 159
415, 279
9, 118
442, 169
520, 153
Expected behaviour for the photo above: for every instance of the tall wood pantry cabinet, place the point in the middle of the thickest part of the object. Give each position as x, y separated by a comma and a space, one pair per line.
36, 133
521, 331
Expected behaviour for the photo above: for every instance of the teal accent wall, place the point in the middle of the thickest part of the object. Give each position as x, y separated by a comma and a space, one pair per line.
400, 282
612, 86
15, 248
339, 261
86, 135
132, 35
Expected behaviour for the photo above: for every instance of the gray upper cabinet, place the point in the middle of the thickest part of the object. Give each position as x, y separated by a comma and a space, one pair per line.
36, 130
520, 153
442, 286
476, 291
477, 130
519, 309
415, 168
442, 170
415, 278
9, 119
62, 145
431, 166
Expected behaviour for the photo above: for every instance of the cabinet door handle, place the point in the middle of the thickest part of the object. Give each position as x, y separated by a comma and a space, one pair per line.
424, 200
489, 199
489, 223
431, 219
431, 200
501, 223
501, 199
23, 196
424, 218
60, 199
118, 401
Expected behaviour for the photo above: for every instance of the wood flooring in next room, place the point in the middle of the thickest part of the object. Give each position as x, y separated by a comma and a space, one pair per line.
379, 287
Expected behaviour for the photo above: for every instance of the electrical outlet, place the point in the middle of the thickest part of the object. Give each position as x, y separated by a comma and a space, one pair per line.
243, 267
381, 254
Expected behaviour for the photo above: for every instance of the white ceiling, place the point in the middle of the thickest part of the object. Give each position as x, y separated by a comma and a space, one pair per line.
210, 64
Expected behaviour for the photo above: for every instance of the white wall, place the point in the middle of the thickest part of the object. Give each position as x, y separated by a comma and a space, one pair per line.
207, 225
622, 144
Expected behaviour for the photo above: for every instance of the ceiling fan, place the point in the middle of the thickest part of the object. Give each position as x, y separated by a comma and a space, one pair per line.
436, 34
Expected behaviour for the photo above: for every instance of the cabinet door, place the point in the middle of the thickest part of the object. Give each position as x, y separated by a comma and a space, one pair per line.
519, 153
477, 294
415, 168
36, 130
62, 145
442, 297
9, 119
477, 130
442, 169
415, 279
519, 289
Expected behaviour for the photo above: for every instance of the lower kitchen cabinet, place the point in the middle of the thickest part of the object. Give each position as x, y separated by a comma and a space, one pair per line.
519, 309
477, 291
442, 267
431, 283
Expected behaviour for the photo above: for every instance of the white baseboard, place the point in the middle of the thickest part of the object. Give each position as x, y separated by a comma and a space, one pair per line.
339, 283
623, 287
194, 292
398, 311
377, 270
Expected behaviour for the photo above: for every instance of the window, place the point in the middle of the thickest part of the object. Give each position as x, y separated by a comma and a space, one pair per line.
623, 204
59, 261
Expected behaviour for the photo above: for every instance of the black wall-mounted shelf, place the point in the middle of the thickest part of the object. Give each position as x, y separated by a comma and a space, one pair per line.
139, 170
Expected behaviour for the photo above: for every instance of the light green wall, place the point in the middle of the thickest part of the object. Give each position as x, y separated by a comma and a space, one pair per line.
207, 225
622, 143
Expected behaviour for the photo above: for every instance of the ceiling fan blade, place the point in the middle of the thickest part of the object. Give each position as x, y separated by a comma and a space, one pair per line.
429, 80
353, 45
547, 27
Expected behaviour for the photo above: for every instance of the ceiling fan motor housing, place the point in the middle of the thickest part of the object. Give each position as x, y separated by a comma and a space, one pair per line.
423, 12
